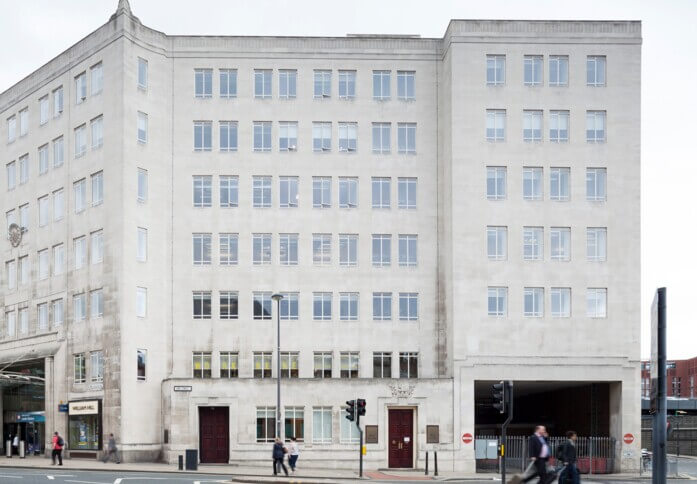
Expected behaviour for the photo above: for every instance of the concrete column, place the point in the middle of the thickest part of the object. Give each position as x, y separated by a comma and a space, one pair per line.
625, 418
463, 421
50, 407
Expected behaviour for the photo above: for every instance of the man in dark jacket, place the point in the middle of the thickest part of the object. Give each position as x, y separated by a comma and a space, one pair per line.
539, 454
567, 455
278, 453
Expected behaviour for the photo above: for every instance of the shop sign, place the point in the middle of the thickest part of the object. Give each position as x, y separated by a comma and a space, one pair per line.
30, 417
88, 407
62, 407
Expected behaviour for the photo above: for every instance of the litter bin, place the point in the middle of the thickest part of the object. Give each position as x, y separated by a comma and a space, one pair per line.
8, 449
191, 459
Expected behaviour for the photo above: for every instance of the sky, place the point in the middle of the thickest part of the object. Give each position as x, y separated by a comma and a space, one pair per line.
34, 31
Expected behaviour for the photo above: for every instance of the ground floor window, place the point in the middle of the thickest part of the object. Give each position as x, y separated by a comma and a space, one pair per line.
349, 431
266, 424
84, 425
322, 425
295, 423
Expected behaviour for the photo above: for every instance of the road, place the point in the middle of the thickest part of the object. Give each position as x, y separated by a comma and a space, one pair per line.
46, 476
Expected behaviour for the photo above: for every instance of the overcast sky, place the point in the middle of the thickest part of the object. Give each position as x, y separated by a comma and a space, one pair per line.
34, 31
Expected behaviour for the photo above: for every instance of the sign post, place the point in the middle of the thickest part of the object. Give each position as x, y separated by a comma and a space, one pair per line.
658, 386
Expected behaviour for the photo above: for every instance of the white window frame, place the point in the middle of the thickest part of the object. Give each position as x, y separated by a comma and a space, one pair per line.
43, 159
597, 179
96, 303
97, 247
496, 66
348, 192
381, 250
532, 125
97, 182
322, 82
80, 140
596, 302
348, 250
263, 83
322, 249
347, 84
559, 126
203, 83
382, 138
228, 132
287, 83
533, 243
141, 302
43, 110
288, 249
142, 80
560, 243
58, 152
229, 256
204, 185
533, 70
406, 138
261, 249
497, 242
348, 137
406, 193
202, 249
262, 134
596, 126
142, 127
496, 125
408, 246
596, 70
560, 183
287, 136
205, 311
560, 302
559, 66
596, 244
349, 308
262, 300
321, 136
383, 187
230, 186
410, 312
320, 426
203, 135
228, 83
321, 192
382, 79
406, 85
533, 179
261, 191
382, 306
322, 301
533, 302
142, 187
499, 296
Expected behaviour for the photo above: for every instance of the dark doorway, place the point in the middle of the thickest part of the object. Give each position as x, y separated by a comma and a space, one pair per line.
214, 432
401, 438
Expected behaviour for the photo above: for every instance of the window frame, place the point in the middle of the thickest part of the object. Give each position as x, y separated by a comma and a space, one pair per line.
500, 295
203, 79
494, 66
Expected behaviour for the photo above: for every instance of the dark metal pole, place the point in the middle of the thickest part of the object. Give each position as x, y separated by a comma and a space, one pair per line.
360, 461
435, 463
509, 405
426, 473
660, 421
277, 298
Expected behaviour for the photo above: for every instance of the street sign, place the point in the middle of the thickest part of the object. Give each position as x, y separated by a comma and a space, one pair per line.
182, 388
628, 438
467, 438
62, 407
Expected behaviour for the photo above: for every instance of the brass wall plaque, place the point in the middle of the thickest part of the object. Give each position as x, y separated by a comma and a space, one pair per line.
432, 436
371, 434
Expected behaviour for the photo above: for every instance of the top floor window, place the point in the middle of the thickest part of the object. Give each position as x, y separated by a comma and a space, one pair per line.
203, 82
495, 70
287, 83
43, 110
262, 83
558, 70
381, 85
97, 78
80, 88
595, 70
23, 121
11, 129
228, 83
347, 84
58, 102
532, 70
142, 73
323, 83
406, 89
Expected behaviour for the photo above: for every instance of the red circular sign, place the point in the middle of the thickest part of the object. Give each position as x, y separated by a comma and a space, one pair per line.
467, 438
628, 438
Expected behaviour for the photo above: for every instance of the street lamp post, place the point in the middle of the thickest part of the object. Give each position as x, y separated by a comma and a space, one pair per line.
277, 297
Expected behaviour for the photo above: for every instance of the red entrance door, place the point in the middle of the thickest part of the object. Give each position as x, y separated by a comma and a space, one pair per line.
401, 438
214, 434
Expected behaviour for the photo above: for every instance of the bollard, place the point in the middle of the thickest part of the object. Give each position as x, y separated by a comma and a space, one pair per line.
21, 449
8, 449
435, 462
181, 462
426, 473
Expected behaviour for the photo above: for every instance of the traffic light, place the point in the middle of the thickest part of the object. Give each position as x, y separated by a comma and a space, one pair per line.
498, 392
350, 410
360, 404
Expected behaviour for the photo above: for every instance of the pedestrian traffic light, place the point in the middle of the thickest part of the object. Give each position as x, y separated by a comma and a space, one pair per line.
360, 405
498, 392
350, 410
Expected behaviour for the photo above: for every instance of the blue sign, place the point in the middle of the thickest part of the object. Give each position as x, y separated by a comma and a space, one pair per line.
31, 417
62, 407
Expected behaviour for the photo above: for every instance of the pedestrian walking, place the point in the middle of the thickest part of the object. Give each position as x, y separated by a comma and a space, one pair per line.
57, 452
293, 453
111, 449
566, 453
15, 444
279, 452
539, 454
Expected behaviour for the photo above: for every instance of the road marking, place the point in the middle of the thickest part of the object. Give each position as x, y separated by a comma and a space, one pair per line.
11, 477
118, 481
86, 482
50, 478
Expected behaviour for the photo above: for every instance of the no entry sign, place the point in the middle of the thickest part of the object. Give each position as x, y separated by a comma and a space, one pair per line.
628, 438
467, 438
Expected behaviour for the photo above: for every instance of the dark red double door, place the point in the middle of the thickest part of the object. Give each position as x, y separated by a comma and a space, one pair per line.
214, 432
401, 438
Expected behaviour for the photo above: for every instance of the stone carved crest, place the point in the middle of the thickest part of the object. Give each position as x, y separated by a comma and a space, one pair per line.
402, 390
14, 233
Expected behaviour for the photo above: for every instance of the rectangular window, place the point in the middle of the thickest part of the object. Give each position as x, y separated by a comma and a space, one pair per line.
202, 249
203, 80
596, 302
322, 425
495, 70
495, 124
79, 370
406, 85
348, 306
348, 137
58, 259
24, 269
595, 126
141, 302
497, 301
533, 302
349, 364
532, 243
381, 192
23, 169
24, 321
261, 249
348, 249
382, 306
229, 364
323, 83
57, 307
532, 183
497, 243
321, 192
141, 364
596, 182
559, 126
142, 73
58, 102
382, 364
382, 250
228, 83
96, 78
96, 303
43, 110
596, 244
79, 307
381, 138
262, 365
561, 302
559, 184
201, 364
408, 306
262, 83
42, 316
97, 189
142, 127
203, 191
80, 246
262, 135
532, 70
287, 135
202, 305
229, 191
43, 212
58, 152
347, 84
406, 138
322, 306
266, 423
348, 192
142, 185
262, 305
142, 248
288, 249
11, 129
289, 306
43, 159
409, 365
229, 306
595, 70
323, 364
10, 215
97, 251
532, 125
203, 132
558, 70
228, 136
408, 249
287, 83
11, 271
80, 88
24, 121
406, 193
11, 170
321, 136
560, 243
228, 249
80, 141
381, 85
289, 364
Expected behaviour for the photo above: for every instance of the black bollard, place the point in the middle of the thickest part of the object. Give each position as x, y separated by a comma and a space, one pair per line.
435, 462
181, 462
426, 473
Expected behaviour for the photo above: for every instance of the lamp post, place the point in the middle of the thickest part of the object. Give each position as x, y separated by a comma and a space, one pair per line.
277, 297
